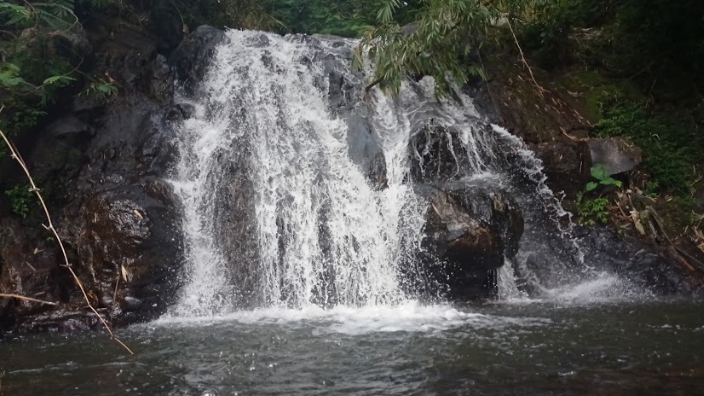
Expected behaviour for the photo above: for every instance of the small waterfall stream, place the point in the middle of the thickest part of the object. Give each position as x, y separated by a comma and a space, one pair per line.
295, 189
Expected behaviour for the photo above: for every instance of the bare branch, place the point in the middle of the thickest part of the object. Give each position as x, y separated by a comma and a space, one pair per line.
523, 58
17, 296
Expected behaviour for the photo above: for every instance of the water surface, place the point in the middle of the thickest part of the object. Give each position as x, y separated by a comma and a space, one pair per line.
518, 348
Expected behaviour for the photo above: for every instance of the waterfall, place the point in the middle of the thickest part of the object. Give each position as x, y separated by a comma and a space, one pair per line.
324, 235
295, 187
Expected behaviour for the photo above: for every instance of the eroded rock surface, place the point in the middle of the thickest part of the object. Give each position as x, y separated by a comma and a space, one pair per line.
471, 228
103, 168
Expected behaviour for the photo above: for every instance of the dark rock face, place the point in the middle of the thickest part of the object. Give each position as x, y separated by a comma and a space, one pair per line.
191, 57
365, 151
437, 155
644, 266
344, 96
554, 125
471, 229
131, 233
236, 227
566, 164
102, 168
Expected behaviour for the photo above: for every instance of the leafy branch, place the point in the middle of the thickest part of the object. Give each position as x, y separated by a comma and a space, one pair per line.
100, 89
438, 42
55, 14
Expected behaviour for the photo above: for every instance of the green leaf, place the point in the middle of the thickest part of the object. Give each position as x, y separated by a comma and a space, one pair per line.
15, 13
59, 80
591, 186
599, 172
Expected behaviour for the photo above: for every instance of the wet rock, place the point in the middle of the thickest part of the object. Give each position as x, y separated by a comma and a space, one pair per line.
102, 168
437, 155
642, 265
129, 246
192, 56
59, 321
470, 231
236, 225
29, 266
68, 126
566, 164
72, 45
365, 151
617, 155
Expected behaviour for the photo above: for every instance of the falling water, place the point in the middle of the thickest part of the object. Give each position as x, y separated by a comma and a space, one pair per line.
283, 209
325, 235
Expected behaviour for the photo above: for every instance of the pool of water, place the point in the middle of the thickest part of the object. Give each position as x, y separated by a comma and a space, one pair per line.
516, 348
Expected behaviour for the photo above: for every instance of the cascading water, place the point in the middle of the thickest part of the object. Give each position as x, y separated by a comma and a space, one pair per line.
286, 201
324, 234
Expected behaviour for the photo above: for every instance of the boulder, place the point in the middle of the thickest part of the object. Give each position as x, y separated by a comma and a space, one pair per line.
129, 247
470, 231
565, 163
616, 155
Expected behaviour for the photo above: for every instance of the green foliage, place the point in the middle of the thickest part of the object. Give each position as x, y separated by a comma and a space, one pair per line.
9, 76
642, 40
599, 172
670, 147
592, 210
54, 14
21, 119
348, 18
31, 73
438, 43
100, 89
545, 37
20, 197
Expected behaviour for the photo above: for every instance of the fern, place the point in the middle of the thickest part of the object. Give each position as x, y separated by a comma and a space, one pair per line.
58, 80
15, 14
62, 9
9, 76
100, 89
54, 14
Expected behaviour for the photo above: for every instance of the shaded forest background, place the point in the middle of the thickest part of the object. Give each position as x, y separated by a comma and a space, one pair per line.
636, 65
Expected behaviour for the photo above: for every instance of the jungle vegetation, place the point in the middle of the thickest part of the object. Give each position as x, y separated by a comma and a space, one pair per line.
638, 63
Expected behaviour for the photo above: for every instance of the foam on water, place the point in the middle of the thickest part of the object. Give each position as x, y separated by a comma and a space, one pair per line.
410, 316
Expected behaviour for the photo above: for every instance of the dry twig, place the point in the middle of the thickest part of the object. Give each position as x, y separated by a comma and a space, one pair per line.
17, 296
50, 226
523, 58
